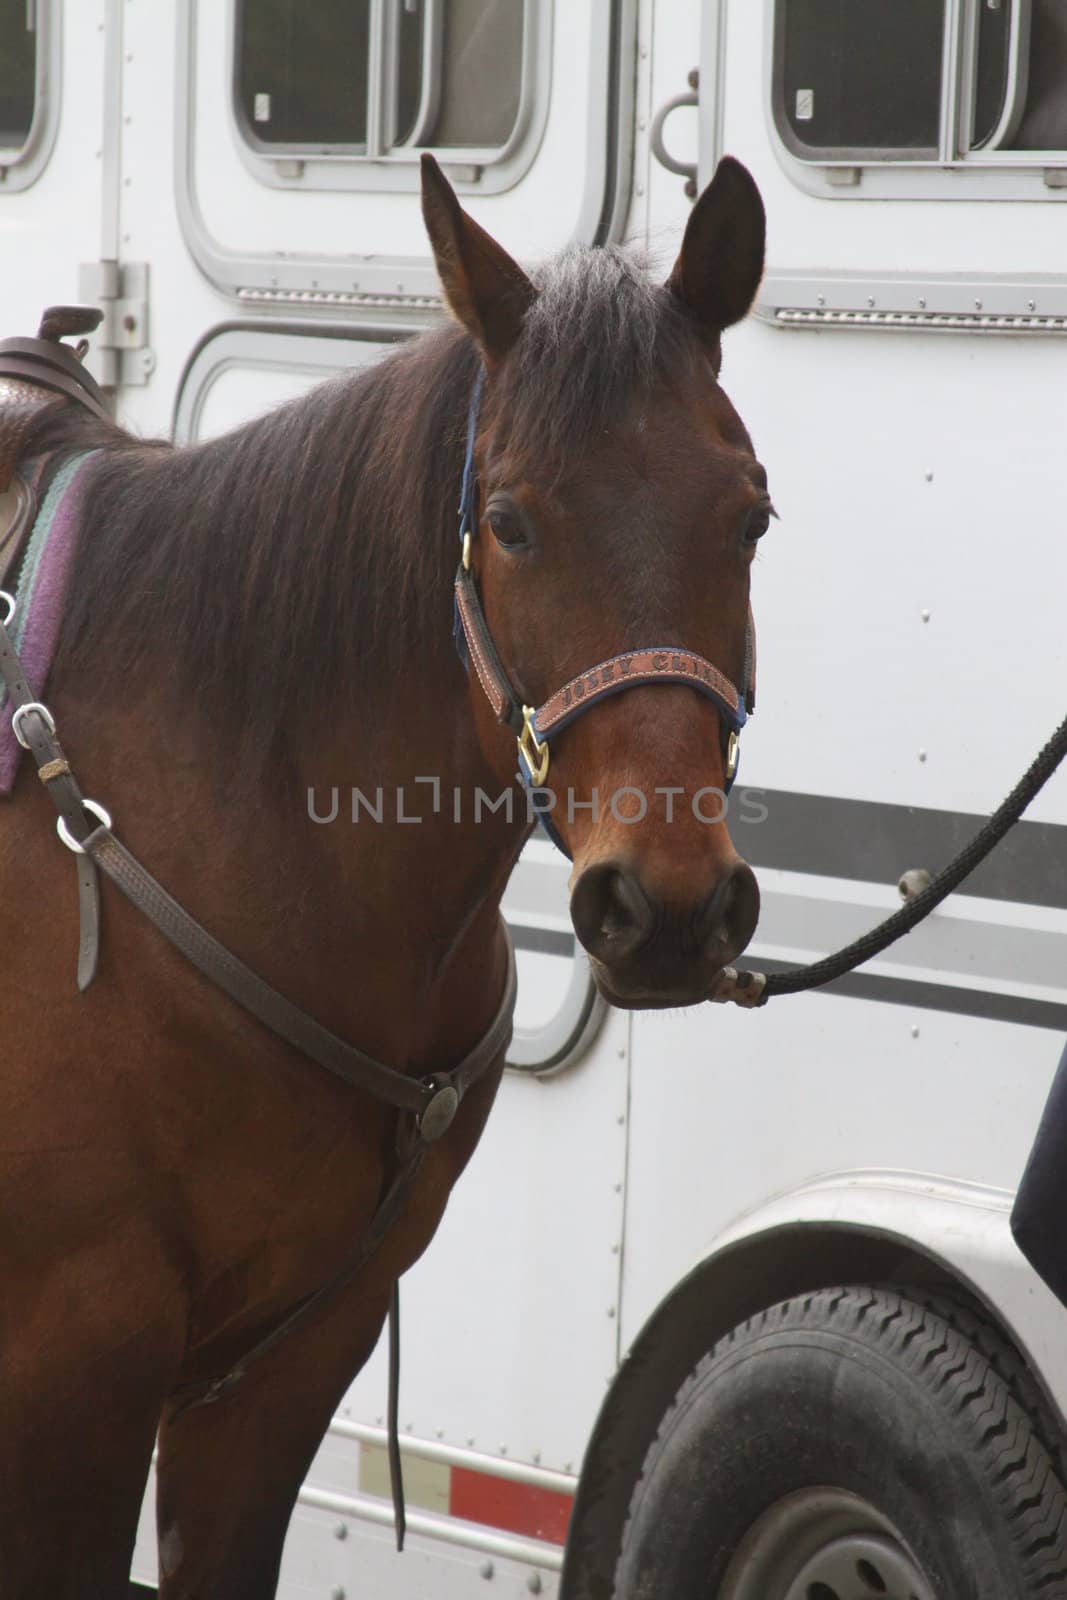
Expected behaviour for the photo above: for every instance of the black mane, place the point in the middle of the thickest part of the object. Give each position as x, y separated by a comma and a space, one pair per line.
297, 562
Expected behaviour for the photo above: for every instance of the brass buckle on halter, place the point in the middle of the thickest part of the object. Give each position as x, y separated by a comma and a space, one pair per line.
533, 752
466, 552
733, 755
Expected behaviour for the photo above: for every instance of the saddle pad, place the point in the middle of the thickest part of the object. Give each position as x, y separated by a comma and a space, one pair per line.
40, 592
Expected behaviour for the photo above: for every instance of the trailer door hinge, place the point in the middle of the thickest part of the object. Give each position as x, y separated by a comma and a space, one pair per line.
119, 353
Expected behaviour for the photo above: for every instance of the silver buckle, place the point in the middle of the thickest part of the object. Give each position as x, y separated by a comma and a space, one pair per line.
733, 755
42, 711
10, 598
68, 838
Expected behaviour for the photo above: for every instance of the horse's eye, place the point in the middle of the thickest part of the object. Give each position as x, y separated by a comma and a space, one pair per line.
507, 527
757, 523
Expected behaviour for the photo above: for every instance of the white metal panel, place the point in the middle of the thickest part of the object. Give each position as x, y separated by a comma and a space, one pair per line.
234, 217
913, 474
45, 230
729, 1108
854, 230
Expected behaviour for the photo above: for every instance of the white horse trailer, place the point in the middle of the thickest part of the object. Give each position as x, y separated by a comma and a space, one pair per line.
235, 181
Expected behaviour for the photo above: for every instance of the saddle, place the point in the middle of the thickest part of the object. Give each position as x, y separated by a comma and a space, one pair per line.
38, 375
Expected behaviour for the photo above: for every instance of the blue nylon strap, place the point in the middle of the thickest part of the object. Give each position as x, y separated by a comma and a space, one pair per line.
735, 718
468, 520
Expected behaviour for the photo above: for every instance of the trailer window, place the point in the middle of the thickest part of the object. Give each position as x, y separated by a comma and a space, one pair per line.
18, 72
1043, 121
874, 81
379, 78
860, 77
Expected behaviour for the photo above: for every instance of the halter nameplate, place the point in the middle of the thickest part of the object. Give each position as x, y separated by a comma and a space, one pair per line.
666, 665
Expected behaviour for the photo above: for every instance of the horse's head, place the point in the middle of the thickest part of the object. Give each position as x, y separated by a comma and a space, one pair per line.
618, 509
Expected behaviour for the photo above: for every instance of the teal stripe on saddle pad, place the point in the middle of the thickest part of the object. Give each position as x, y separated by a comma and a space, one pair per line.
41, 591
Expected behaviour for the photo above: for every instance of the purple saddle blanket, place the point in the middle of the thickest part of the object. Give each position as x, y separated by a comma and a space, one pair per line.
40, 591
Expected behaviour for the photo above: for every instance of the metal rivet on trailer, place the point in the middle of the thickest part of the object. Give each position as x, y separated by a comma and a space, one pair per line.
820, 299
503, 1449
537, 1458
486, 1569
929, 474
925, 615
915, 1030
341, 1531
922, 302
922, 755
534, 1584
440, 1433
1031, 305
611, 1311
621, 1120
870, 301
978, 305
470, 1440
337, 1594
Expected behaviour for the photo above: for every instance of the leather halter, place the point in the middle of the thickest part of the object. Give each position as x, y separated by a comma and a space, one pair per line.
534, 727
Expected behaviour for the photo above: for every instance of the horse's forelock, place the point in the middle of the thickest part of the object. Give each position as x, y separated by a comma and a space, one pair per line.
598, 340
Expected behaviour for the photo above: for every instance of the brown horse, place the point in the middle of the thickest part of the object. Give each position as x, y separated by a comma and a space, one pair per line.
266, 616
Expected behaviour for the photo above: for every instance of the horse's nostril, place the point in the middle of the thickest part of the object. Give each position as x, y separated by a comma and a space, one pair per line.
728, 917
611, 913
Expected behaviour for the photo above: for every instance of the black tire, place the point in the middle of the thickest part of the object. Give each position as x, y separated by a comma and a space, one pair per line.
853, 1444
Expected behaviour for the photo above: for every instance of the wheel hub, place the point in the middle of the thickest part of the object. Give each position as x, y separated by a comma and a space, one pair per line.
824, 1544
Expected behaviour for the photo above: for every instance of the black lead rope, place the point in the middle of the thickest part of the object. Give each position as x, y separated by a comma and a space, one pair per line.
756, 988
396, 1464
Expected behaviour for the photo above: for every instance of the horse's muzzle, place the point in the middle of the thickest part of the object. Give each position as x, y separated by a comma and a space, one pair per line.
647, 953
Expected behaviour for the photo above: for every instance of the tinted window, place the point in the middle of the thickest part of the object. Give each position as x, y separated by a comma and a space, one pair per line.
991, 68
451, 75
18, 70
1044, 120
481, 73
303, 70
860, 75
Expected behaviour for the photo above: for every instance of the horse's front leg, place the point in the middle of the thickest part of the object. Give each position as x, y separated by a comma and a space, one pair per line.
229, 1473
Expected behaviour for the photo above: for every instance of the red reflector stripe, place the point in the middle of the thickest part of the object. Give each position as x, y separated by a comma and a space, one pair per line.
514, 1507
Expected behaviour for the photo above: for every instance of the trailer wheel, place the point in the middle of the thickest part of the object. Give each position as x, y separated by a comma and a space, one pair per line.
852, 1444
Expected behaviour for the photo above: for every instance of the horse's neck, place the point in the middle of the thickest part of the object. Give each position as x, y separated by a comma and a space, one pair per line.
385, 928
411, 859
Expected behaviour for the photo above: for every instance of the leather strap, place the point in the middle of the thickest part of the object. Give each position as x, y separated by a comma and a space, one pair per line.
18, 510
666, 665
426, 1106
34, 361
40, 374
22, 403
37, 732
534, 728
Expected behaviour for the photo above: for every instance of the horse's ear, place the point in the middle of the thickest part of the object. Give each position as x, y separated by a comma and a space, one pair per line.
486, 289
720, 264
